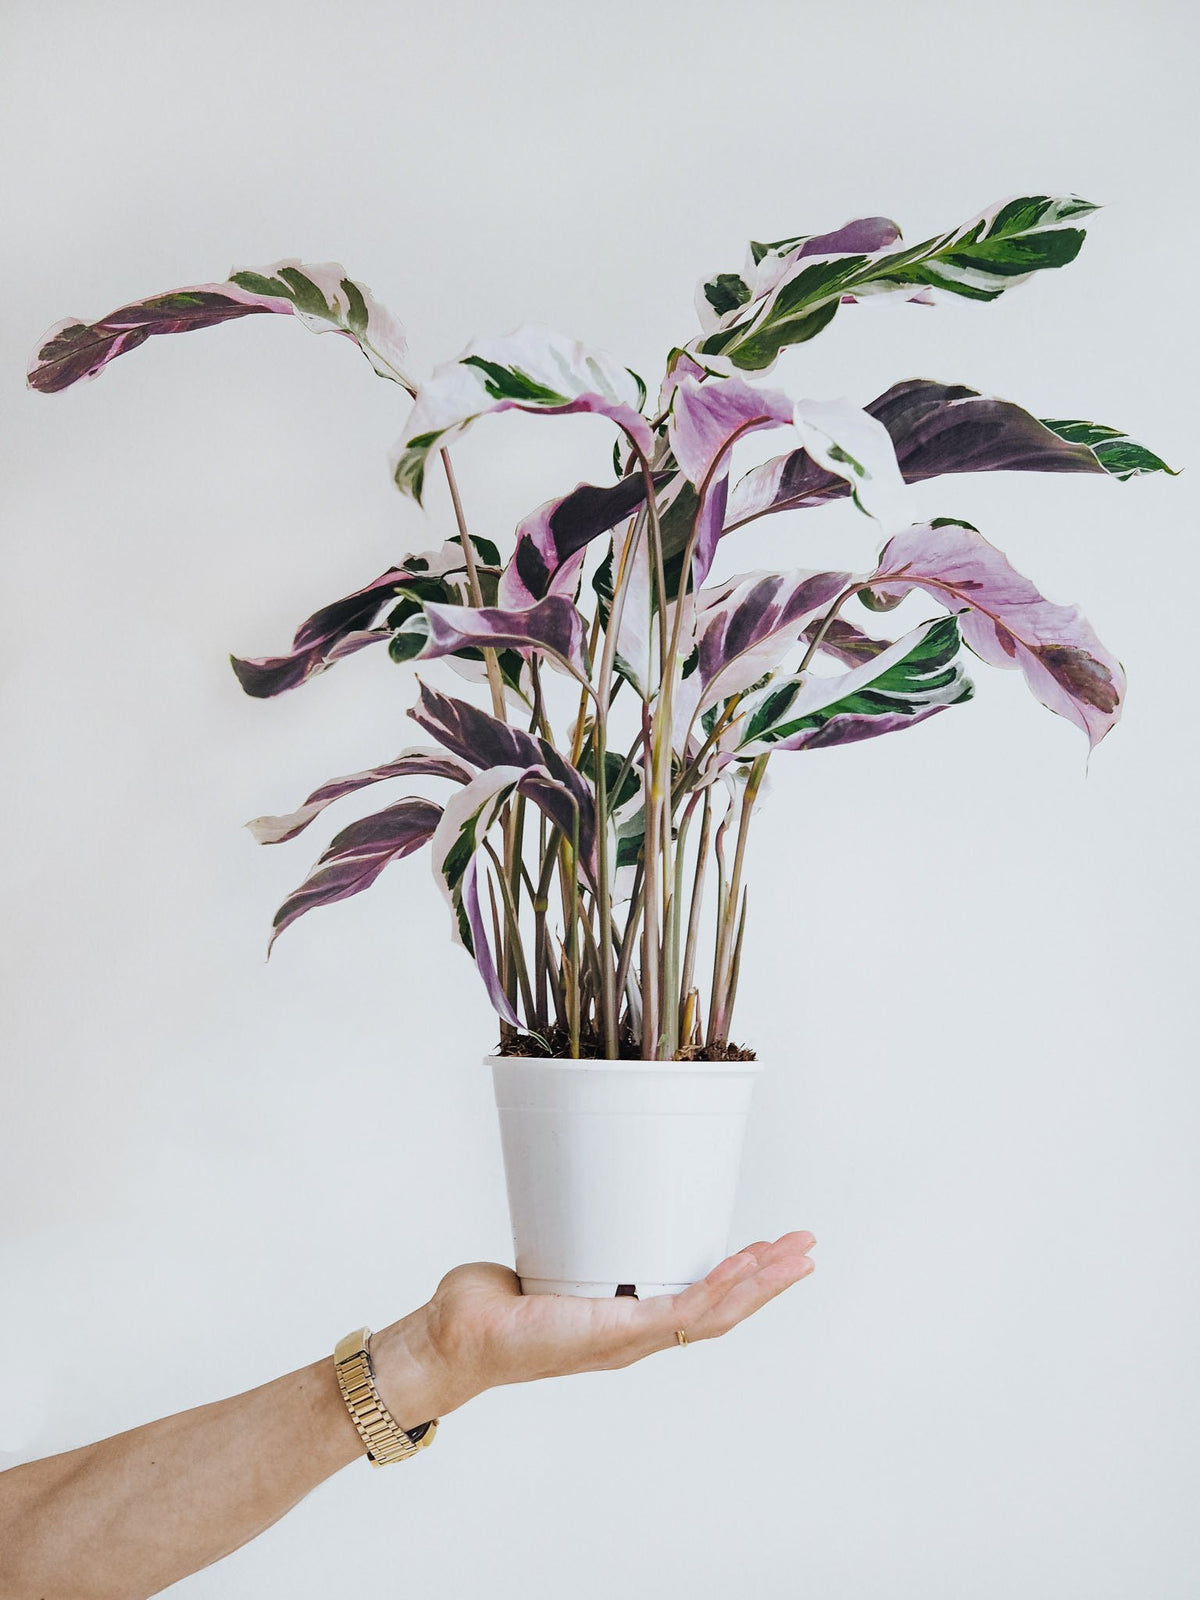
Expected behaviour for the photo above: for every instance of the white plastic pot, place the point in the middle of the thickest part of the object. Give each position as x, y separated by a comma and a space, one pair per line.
620, 1172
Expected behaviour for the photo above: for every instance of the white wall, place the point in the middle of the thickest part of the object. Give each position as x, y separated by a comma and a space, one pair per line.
969, 958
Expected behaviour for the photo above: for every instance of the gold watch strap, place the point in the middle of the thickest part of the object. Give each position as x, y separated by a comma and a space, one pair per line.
385, 1439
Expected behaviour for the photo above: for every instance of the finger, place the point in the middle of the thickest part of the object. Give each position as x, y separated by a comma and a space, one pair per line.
662, 1315
658, 1317
782, 1265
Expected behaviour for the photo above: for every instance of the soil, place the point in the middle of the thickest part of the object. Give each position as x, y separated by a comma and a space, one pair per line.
559, 1040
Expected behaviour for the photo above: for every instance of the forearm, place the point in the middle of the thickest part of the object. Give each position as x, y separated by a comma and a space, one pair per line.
128, 1516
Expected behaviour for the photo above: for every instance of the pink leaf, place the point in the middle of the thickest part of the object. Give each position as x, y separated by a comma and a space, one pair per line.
1007, 622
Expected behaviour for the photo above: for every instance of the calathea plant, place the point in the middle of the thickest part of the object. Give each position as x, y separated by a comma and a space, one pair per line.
593, 848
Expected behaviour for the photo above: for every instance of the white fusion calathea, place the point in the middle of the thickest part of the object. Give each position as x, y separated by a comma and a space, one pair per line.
594, 863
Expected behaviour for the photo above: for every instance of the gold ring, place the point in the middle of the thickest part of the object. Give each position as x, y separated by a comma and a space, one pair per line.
680, 1336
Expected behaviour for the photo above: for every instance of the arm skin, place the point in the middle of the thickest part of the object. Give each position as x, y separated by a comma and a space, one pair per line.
127, 1517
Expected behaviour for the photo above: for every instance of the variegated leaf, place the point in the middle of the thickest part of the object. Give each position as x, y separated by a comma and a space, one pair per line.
1008, 623
708, 418
349, 624
533, 369
455, 855
1118, 454
903, 684
728, 292
844, 642
552, 541
357, 856
322, 297
745, 625
474, 736
336, 630
552, 627
939, 428
422, 763
456, 848
796, 295
744, 628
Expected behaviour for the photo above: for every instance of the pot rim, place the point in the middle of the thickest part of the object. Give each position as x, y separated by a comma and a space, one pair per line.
561, 1063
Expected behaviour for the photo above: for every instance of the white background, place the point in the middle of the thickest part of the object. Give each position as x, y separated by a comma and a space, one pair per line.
970, 955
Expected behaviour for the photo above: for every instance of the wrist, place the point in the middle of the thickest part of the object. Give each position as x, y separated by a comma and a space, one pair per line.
415, 1378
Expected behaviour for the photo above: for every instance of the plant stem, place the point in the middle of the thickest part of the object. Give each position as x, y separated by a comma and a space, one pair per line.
673, 923
491, 664
608, 992
625, 955
718, 1022
651, 955
824, 626
735, 970
514, 937
577, 738
693, 929
495, 681
572, 946
657, 731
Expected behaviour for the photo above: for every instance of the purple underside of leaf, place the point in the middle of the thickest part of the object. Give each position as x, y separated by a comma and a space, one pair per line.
335, 631
936, 429
844, 642
411, 763
474, 736
357, 856
749, 613
552, 625
551, 540
707, 419
482, 948
1008, 623
852, 729
320, 296
864, 235
74, 351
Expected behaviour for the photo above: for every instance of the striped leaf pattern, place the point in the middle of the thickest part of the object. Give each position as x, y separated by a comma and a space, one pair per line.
323, 297
745, 626
368, 616
552, 541
410, 763
552, 627
796, 294
1005, 620
471, 734
902, 685
533, 369
459, 841
939, 428
357, 856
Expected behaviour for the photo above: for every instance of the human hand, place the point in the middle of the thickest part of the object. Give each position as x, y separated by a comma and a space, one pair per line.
479, 1331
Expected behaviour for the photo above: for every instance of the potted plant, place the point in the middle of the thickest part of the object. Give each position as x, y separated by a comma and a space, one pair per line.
592, 839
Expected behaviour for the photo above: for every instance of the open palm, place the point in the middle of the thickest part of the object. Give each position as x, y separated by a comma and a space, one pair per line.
486, 1332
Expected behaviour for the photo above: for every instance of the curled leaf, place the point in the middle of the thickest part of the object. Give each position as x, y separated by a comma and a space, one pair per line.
551, 626
939, 428
410, 763
796, 293
903, 684
357, 856
322, 297
533, 369
1006, 621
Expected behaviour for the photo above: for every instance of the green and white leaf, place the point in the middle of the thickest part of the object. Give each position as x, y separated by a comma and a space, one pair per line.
792, 301
914, 677
1116, 452
533, 369
326, 299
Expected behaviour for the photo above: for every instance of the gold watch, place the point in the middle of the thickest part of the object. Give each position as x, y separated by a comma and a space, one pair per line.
385, 1439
